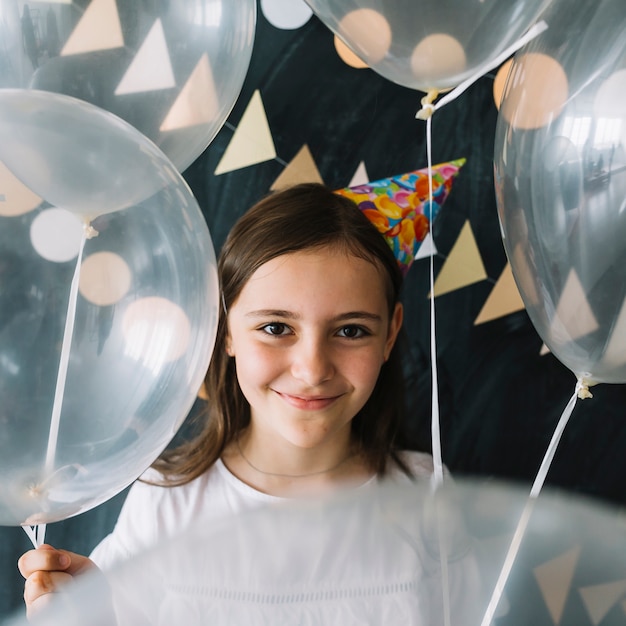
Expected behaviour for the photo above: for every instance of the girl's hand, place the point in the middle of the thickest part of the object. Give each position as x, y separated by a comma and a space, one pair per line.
46, 571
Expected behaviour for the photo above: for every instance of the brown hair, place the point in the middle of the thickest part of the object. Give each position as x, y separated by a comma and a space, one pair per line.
298, 218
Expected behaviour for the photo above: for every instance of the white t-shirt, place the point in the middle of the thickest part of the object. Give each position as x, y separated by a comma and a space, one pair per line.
216, 551
151, 513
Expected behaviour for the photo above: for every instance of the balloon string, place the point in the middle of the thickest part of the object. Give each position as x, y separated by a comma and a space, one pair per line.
428, 108
37, 533
437, 477
526, 513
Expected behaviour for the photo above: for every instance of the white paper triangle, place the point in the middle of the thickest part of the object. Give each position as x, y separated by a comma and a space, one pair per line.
252, 142
360, 177
555, 580
98, 29
151, 69
600, 599
427, 248
197, 103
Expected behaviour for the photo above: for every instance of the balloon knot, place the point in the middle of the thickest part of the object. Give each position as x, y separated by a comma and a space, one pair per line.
428, 108
90, 231
582, 388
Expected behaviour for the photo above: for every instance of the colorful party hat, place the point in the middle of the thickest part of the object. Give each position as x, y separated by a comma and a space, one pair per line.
400, 209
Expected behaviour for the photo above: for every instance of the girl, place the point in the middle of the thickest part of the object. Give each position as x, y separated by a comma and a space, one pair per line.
305, 382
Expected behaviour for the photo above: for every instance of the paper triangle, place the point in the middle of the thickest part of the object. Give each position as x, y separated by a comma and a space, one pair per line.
600, 599
98, 29
252, 142
197, 102
544, 350
15, 197
401, 207
360, 176
464, 265
555, 579
503, 299
301, 169
151, 69
615, 351
574, 317
525, 275
427, 248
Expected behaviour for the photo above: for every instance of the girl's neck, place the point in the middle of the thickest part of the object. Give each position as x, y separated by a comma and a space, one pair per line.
285, 470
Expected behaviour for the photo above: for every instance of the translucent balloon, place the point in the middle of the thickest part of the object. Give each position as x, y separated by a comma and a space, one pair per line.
560, 167
172, 69
373, 556
107, 312
431, 44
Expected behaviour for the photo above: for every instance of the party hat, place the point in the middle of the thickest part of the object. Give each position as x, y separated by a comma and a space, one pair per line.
400, 209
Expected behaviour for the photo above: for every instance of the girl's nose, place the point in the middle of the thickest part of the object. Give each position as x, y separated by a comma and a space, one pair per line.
312, 363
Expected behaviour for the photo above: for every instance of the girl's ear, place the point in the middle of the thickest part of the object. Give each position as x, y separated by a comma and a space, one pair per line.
395, 324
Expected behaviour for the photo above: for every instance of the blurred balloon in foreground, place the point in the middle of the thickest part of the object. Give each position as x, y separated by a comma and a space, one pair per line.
432, 44
372, 556
108, 294
172, 69
560, 168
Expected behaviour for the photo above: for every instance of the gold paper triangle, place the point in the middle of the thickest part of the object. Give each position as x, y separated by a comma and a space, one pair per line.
555, 580
197, 102
252, 142
151, 69
600, 599
301, 169
503, 299
464, 265
98, 29
574, 317
15, 197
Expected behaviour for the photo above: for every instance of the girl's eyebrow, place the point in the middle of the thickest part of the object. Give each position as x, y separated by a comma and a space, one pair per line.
349, 315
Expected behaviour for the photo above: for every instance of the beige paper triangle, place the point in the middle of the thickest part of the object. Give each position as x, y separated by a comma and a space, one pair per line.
252, 142
615, 351
574, 317
301, 169
98, 29
203, 394
197, 102
503, 299
544, 350
15, 197
360, 177
464, 265
151, 69
525, 274
555, 580
600, 599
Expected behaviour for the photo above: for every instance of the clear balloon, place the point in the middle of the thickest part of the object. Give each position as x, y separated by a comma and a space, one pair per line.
560, 170
107, 312
172, 69
431, 44
372, 556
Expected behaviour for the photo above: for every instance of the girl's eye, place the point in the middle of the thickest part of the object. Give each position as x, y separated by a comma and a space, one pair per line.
275, 328
352, 332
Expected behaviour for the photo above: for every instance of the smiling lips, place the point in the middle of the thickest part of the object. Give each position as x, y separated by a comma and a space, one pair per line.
314, 403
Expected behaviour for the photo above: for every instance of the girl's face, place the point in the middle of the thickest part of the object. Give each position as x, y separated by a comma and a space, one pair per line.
309, 332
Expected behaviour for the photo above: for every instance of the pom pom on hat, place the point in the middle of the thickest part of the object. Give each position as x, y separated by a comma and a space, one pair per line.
399, 206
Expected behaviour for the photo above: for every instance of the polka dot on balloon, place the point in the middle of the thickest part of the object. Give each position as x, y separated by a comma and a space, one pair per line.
156, 331
105, 278
347, 56
437, 55
368, 31
286, 14
56, 235
500, 82
536, 91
